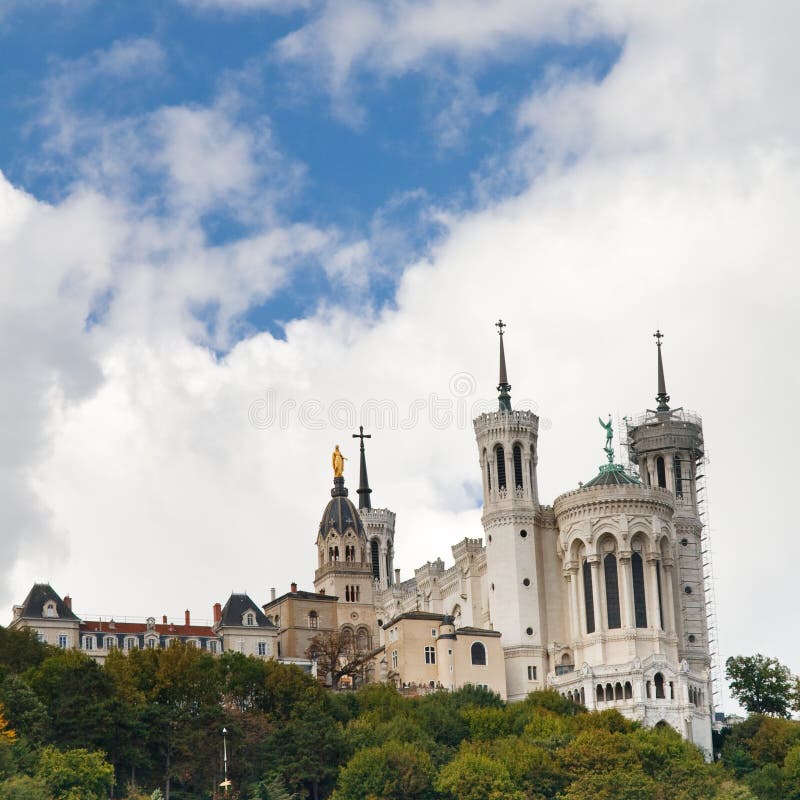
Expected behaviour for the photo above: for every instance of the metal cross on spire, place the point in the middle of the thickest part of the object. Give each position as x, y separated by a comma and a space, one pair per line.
500, 325
363, 484
658, 337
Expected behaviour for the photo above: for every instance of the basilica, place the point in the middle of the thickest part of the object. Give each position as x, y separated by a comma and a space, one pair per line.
602, 596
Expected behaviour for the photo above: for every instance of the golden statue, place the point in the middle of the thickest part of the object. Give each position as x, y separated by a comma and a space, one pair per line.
337, 461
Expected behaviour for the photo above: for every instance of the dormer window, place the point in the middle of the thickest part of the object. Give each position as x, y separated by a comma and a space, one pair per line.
49, 609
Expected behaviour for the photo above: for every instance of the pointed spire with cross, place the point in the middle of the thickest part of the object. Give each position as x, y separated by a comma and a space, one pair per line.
363, 486
662, 396
503, 386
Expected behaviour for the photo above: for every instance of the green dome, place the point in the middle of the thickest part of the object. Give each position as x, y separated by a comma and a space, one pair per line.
613, 475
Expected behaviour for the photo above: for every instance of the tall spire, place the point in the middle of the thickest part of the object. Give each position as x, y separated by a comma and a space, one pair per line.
363, 485
662, 396
503, 386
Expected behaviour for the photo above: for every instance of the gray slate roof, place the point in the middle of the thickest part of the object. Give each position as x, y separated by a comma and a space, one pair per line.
237, 606
33, 605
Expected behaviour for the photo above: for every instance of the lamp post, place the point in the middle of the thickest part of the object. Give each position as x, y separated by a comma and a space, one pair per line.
226, 783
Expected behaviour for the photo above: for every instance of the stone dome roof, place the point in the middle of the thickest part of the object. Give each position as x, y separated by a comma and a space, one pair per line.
340, 513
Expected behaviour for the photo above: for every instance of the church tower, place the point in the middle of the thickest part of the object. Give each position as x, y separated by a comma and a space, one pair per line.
344, 568
507, 449
378, 524
666, 444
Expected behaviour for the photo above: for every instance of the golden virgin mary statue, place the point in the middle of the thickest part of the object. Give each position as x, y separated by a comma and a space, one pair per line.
337, 461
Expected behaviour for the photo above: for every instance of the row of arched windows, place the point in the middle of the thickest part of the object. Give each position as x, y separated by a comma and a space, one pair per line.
352, 594
610, 694
500, 467
611, 580
661, 474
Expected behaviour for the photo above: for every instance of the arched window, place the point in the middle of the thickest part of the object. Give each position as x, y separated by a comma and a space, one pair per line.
609, 692
347, 594
618, 691
676, 466
671, 690
601, 695
375, 554
362, 640
647, 689
313, 619
478, 653
628, 690
389, 566
588, 597
517, 466
661, 473
488, 470
500, 457
350, 553
612, 591
583, 696
639, 602
658, 680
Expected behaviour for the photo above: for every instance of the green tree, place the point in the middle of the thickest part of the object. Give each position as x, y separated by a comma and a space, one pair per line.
23, 787
472, 776
393, 771
762, 685
75, 774
21, 649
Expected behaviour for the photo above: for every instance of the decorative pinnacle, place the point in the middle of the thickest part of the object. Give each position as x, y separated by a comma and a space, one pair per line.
662, 396
363, 486
503, 386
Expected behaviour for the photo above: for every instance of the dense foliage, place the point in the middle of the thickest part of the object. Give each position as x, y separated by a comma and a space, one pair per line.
148, 725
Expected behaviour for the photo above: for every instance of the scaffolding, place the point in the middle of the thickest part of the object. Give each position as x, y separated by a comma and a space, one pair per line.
709, 585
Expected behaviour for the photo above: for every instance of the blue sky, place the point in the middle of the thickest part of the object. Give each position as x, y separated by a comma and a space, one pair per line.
332, 201
386, 160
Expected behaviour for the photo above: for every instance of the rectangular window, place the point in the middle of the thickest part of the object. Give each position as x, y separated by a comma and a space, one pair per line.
63, 641
212, 646
433, 632
262, 648
88, 642
588, 596
151, 644
430, 655
130, 644
41, 637
111, 642
531, 672
394, 659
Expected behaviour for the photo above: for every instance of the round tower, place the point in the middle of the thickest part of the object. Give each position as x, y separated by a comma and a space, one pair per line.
667, 446
507, 450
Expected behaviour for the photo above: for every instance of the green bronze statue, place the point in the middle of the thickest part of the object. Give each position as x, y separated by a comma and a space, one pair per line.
609, 448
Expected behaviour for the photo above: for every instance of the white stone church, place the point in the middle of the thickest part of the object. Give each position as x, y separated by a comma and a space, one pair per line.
601, 595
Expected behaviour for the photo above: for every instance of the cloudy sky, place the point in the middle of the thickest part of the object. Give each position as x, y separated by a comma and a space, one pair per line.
233, 230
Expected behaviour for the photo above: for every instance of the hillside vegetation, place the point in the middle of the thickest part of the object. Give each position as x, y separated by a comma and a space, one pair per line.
148, 724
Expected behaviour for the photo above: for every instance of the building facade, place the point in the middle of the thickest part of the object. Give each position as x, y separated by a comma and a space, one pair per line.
601, 595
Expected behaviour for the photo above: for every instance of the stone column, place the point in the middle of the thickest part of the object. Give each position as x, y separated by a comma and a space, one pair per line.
626, 590
651, 584
597, 597
574, 602
669, 600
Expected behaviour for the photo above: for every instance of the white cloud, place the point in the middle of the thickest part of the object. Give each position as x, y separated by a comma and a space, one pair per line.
665, 195
246, 6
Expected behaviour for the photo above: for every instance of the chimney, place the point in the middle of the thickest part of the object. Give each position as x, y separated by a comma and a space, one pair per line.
217, 613
68, 601
272, 594
187, 617
294, 587
397, 577
164, 619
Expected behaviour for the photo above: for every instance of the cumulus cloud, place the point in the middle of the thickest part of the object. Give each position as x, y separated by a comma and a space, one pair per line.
664, 195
